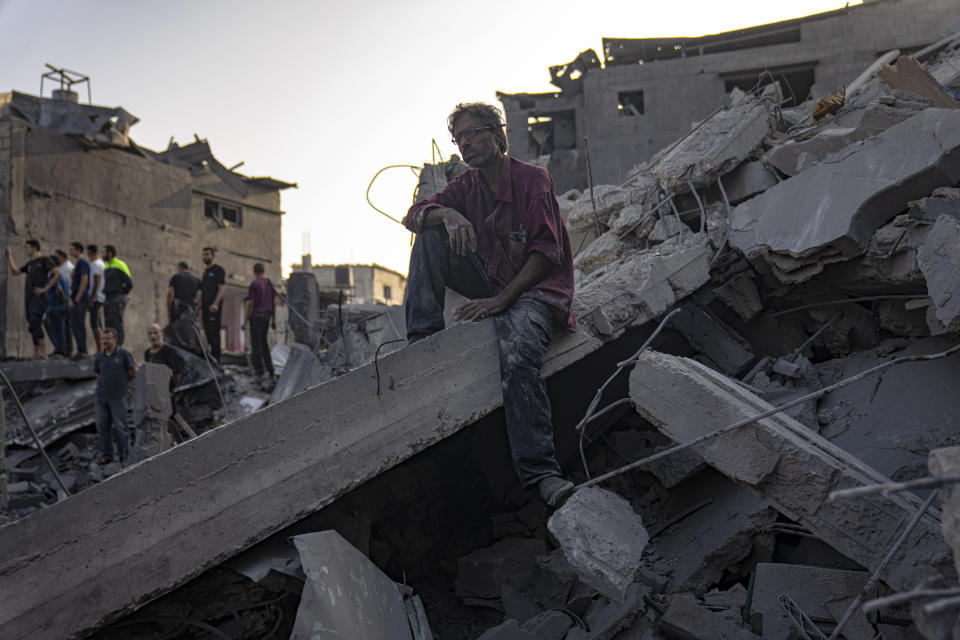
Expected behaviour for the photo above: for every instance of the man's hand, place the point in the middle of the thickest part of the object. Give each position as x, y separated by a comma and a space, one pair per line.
459, 230
214, 308
38, 291
478, 309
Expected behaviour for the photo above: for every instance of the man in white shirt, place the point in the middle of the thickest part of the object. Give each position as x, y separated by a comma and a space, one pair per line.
97, 297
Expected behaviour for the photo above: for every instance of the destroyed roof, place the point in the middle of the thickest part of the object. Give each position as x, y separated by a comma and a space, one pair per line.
622, 51
104, 125
197, 155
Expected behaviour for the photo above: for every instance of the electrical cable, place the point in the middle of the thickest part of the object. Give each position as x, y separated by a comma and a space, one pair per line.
375, 176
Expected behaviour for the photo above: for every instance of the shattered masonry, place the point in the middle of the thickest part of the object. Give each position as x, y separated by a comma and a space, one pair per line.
795, 254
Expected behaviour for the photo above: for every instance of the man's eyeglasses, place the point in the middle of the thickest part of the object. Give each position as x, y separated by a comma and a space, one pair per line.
469, 133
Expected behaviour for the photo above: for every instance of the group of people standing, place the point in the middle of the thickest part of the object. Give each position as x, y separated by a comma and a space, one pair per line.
63, 296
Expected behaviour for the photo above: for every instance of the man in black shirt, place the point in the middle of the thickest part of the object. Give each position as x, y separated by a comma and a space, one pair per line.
115, 369
214, 279
182, 292
42, 274
160, 353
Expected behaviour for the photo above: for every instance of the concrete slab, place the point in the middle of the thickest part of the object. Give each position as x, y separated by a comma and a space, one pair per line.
481, 573
60, 410
829, 212
40, 370
169, 518
710, 336
346, 595
602, 539
151, 409
685, 400
940, 265
812, 589
644, 285
686, 619
944, 463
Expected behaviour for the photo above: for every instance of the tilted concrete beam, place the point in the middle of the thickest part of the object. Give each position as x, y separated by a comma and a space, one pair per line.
97, 555
790, 466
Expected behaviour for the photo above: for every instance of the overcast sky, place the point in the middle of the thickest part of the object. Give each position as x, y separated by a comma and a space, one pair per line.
324, 93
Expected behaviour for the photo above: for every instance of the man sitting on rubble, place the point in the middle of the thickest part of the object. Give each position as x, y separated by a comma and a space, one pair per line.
495, 235
115, 369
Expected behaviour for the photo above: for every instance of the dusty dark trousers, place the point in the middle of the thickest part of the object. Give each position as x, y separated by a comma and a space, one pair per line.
524, 331
211, 327
78, 323
259, 346
57, 328
113, 314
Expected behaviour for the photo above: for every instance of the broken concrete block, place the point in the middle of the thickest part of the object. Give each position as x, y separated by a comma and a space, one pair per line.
509, 630
152, 407
747, 180
516, 605
302, 371
713, 542
483, 571
812, 589
606, 619
599, 253
733, 598
710, 336
940, 265
346, 595
715, 146
549, 625
62, 409
686, 619
675, 468
685, 400
644, 285
41, 370
741, 295
890, 421
945, 463
828, 213
602, 539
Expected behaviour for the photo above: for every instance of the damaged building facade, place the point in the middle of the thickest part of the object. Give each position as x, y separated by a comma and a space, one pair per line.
758, 409
360, 283
648, 91
70, 172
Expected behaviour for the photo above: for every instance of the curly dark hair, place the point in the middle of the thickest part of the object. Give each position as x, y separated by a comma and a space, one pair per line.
487, 114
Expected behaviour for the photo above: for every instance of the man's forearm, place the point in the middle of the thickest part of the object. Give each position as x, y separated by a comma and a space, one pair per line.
536, 268
219, 297
53, 279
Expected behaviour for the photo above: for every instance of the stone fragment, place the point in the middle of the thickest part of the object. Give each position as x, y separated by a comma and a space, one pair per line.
482, 572
715, 146
685, 619
828, 213
940, 263
812, 589
712, 542
152, 408
710, 336
599, 253
549, 625
944, 463
605, 619
747, 180
890, 421
741, 295
516, 605
509, 630
346, 595
644, 285
685, 400
602, 539
302, 371
735, 597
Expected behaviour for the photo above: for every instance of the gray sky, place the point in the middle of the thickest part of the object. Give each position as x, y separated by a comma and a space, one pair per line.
326, 93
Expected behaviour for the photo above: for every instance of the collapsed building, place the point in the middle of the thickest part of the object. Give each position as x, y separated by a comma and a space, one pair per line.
647, 90
764, 371
71, 172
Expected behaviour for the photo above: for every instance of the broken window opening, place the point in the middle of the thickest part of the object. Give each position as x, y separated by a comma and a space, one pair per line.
551, 131
224, 214
795, 81
387, 293
630, 103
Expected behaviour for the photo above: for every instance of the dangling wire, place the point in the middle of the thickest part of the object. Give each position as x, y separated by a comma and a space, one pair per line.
377, 174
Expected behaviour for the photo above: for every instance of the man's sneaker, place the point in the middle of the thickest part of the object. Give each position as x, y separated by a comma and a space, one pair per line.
554, 489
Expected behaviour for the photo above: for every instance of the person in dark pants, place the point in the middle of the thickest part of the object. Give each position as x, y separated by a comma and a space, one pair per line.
62, 260
211, 299
115, 369
58, 303
181, 292
495, 235
42, 274
258, 310
117, 283
80, 288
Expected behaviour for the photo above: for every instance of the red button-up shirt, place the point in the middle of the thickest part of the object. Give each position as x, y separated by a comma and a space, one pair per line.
520, 218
